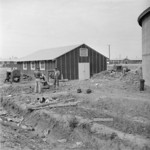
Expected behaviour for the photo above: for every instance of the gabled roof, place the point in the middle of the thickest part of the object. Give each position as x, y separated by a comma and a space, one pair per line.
49, 54
52, 53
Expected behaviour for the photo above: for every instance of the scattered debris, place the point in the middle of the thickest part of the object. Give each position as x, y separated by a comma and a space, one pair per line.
16, 120
113, 136
62, 141
77, 145
79, 90
88, 91
47, 100
44, 139
3, 112
102, 119
26, 77
42, 100
69, 100
23, 127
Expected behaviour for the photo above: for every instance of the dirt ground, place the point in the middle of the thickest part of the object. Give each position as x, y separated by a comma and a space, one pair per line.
113, 115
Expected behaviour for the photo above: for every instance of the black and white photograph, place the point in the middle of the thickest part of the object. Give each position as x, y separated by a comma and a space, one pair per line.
74, 74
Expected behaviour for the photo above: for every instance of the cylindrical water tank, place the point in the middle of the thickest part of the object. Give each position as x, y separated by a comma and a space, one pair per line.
144, 22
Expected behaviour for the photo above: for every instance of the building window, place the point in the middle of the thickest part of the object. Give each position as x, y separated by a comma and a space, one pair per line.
42, 65
83, 52
32, 65
25, 66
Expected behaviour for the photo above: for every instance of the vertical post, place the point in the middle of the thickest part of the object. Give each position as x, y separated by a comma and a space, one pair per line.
109, 51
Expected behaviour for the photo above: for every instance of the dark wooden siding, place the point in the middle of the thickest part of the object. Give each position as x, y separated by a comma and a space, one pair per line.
64, 64
19, 64
98, 62
91, 61
105, 63
76, 60
49, 65
68, 63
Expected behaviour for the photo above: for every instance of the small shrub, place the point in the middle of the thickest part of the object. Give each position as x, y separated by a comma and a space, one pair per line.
79, 90
147, 128
113, 135
86, 126
73, 123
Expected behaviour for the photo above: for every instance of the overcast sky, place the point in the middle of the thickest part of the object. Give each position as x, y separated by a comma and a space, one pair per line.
29, 25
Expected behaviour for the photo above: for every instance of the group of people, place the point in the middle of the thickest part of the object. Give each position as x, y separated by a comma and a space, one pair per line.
41, 78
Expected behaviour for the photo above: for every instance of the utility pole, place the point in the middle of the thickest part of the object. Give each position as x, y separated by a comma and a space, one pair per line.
109, 51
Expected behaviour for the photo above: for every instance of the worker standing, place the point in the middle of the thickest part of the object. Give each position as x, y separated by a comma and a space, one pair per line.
56, 76
37, 75
124, 70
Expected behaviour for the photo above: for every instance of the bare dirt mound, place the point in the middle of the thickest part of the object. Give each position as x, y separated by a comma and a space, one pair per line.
17, 90
13, 108
107, 75
131, 77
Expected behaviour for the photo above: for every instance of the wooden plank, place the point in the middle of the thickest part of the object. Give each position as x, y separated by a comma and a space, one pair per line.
52, 102
54, 105
102, 119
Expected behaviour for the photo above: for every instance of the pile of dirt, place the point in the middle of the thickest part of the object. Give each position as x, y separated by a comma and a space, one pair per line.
107, 75
132, 77
13, 90
47, 125
71, 130
12, 107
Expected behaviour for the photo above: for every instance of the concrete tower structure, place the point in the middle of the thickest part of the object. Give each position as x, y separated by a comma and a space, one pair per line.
144, 22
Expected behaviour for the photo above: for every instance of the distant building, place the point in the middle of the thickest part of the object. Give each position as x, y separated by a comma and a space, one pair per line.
8, 63
115, 61
131, 61
126, 61
74, 62
144, 22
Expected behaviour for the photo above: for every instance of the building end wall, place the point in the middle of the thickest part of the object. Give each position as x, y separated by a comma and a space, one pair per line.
144, 21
